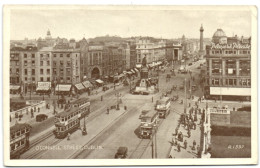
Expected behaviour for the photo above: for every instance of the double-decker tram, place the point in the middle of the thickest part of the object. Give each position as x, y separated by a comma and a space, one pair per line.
163, 107
148, 119
19, 139
68, 121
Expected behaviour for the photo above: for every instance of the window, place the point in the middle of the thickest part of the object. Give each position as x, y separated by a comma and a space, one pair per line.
48, 79
33, 71
41, 63
33, 63
25, 63
48, 63
68, 63
61, 55
33, 78
68, 78
25, 71
68, 70
17, 70
41, 79
41, 55
48, 71
48, 55
61, 63
17, 63
25, 55
230, 67
68, 55
41, 71
25, 78
54, 71
54, 55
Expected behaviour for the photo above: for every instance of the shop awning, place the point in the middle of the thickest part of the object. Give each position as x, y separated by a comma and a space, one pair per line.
14, 87
138, 65
92, 81
79, 86
87, 84
132, 70
63, 88
43, 86
124, 72
136, 70
121, 75
99, 81
129, 72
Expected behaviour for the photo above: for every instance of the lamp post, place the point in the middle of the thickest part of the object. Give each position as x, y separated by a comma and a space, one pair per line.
185, 104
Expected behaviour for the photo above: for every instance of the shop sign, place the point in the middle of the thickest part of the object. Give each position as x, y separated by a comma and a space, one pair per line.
230, 46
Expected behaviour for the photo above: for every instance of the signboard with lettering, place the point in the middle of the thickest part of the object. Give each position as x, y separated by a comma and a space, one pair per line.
230, 46
44, 84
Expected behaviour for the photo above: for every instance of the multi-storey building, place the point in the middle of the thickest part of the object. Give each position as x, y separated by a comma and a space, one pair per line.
28, 67
44, 64
15, 65
132, 61
152, 49
228, 67
173, 51
66, 65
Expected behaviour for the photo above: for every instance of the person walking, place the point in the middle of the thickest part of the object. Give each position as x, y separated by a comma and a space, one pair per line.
107, 110
194, 144
189, 133
185, 144
68, 137
179, 147
101, 98
176, 131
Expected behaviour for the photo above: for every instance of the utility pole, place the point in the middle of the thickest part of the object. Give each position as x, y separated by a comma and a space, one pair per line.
152, 149
185, 104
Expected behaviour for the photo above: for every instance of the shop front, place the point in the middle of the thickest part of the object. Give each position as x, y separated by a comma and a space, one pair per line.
43, 88
79, 88
15, 89
63, 89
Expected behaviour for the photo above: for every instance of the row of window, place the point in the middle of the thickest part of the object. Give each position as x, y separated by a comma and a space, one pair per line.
19, 133
62, 129
230, 82
18, 144
26, 56
229, 52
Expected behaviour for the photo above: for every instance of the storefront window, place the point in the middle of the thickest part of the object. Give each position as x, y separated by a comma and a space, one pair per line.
216, 67
230, 67
244, 68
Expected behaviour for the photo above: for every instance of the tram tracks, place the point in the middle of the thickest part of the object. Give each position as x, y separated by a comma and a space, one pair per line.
32, 152
143, 144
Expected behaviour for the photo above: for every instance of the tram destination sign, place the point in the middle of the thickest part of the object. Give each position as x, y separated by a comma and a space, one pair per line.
230, 46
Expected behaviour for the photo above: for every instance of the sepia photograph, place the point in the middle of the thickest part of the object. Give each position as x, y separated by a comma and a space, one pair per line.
132, 85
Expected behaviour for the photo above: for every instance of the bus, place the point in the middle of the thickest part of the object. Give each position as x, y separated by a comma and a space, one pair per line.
163, 107
68, 120
148, 119
19, 139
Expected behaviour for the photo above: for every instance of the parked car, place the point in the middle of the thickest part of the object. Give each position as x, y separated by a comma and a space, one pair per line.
121, 153
41, 117
105, 88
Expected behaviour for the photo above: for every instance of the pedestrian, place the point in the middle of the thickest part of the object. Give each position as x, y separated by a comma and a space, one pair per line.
34, 108
194, 125
176, 141
179, 147
96, 92
185, 144
107, 110
152, 99
125, 107
101, 98
32, 113
68, 137
189, 133
194, 144
176, 131
38, 109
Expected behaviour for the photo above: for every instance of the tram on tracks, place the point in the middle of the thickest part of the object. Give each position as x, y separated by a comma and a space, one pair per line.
163, 107
19, 139
149, 118
68, 120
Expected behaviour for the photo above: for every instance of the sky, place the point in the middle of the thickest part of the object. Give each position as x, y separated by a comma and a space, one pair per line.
79, 23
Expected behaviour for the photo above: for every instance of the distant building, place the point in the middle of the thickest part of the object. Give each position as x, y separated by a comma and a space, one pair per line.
228, 67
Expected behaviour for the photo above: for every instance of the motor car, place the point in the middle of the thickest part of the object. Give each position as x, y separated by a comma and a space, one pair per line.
41, 117
190, 64
105, 88
117, 84
121, 153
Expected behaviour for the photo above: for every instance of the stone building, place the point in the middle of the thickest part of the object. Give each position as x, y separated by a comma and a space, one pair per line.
228, 67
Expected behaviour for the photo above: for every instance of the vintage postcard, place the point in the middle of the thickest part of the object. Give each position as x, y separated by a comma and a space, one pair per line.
130, 85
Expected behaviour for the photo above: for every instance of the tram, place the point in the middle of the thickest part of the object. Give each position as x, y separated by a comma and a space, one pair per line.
19, 139
148, 119
68, 121
163, 107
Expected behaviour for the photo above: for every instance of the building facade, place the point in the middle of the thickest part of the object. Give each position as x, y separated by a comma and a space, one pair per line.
228, 61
